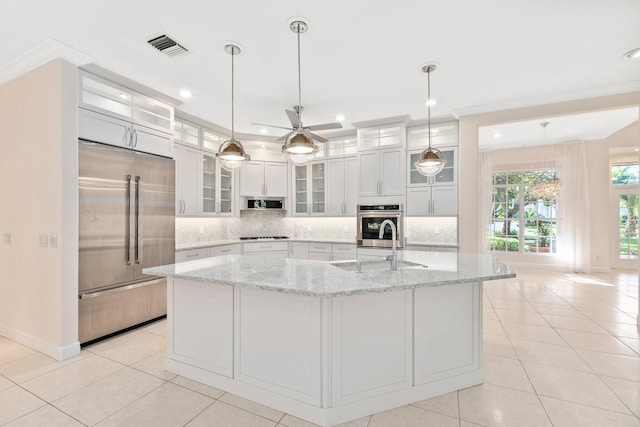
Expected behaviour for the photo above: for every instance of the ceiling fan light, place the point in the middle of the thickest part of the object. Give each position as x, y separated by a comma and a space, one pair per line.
430, 162
232, 155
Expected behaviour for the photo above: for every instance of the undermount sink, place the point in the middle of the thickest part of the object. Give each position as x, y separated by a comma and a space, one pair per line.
368, 266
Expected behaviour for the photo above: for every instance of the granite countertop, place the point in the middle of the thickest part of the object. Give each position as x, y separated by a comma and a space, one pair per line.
322, 278
213, 243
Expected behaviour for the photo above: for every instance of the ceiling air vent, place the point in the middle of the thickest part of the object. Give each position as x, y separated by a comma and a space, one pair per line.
167, 45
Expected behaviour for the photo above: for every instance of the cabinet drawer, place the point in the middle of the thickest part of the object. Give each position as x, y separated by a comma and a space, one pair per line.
265, 247
192, 254
226, 250
320, 247
344, 250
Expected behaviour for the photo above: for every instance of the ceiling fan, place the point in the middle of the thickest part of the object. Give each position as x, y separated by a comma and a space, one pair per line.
295, 115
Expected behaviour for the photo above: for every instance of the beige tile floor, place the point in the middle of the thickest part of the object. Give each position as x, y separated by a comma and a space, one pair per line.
559, 350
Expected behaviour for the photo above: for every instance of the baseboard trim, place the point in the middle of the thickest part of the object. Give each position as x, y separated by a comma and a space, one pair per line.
39, 344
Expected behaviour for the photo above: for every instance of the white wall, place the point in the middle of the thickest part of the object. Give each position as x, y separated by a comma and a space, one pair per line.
39, 193
470, 220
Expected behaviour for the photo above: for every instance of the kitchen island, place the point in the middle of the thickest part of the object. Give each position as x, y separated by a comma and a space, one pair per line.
322, 341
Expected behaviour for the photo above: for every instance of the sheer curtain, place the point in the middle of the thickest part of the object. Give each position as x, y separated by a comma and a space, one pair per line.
573, 208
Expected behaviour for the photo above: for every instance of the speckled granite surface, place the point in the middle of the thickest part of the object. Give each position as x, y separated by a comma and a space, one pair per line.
319, 278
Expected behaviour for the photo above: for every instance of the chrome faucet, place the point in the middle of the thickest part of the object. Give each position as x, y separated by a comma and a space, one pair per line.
394, 232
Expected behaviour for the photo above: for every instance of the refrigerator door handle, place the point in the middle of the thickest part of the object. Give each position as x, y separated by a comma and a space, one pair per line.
128, 232
139, 222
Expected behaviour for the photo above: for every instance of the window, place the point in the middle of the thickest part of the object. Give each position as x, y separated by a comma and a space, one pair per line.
522, 220
624, 173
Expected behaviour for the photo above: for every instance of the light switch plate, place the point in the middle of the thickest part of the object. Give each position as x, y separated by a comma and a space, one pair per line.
7, 238
53, 240
44, 240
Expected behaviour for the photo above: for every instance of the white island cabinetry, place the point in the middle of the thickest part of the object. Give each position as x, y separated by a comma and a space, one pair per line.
324, 343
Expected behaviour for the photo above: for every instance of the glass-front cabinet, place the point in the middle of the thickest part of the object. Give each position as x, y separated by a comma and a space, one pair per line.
447, 176
216, 187
309, 188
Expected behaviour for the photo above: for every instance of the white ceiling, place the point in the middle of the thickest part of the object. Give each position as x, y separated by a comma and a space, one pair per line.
576, 127
360, 58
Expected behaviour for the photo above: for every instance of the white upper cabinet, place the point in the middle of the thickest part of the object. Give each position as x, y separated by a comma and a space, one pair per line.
186, 133
381, 163
342, 186
432, 201
381, 173
309, 189
112, 114
381, 137
188, 181
343, 146
448, 175
444, 134
217, 194
263, 179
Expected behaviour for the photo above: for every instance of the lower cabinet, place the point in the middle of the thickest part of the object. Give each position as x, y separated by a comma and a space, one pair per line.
267, 249
202, 303
343, 252
226, 250
192, 254
278, 343
454, 350
320, 251
299, 250
371, 345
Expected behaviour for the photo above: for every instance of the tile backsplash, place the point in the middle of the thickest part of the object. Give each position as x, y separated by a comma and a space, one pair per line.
430, 230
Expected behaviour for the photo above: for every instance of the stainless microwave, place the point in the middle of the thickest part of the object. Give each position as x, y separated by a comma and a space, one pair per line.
370, 217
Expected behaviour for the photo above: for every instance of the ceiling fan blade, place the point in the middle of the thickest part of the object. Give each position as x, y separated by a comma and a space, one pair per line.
271, 126
293, 118
313, 136
325, 126
283, 137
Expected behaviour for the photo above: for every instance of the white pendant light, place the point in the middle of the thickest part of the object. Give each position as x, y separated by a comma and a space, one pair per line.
431, 161
299, 148
231, 153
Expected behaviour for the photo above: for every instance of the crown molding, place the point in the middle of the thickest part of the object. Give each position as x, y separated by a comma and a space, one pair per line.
547, 99
39, 55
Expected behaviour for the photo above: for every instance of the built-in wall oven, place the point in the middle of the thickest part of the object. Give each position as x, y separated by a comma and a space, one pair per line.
370, 217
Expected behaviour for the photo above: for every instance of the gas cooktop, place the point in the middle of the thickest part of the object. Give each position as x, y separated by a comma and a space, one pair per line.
264, 238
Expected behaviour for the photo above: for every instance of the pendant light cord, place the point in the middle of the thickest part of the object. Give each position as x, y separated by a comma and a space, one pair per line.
299, 83
233, 54
429, 104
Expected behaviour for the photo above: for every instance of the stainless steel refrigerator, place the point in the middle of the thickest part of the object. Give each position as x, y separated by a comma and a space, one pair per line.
127, 223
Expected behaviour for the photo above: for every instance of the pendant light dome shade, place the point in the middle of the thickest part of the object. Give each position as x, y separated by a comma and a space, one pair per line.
231, 153
431, 161
299, 148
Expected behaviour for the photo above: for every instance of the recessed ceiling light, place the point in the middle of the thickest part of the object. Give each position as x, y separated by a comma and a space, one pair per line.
497, 135
435, 130
124, 96
263, 130
339, 118
431, 102
185, 93
632, 54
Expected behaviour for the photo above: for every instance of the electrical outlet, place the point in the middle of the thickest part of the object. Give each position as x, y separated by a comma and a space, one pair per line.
53, 241
308, 228
201, 230
7, 238
346, 228
44, 240
436, 230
